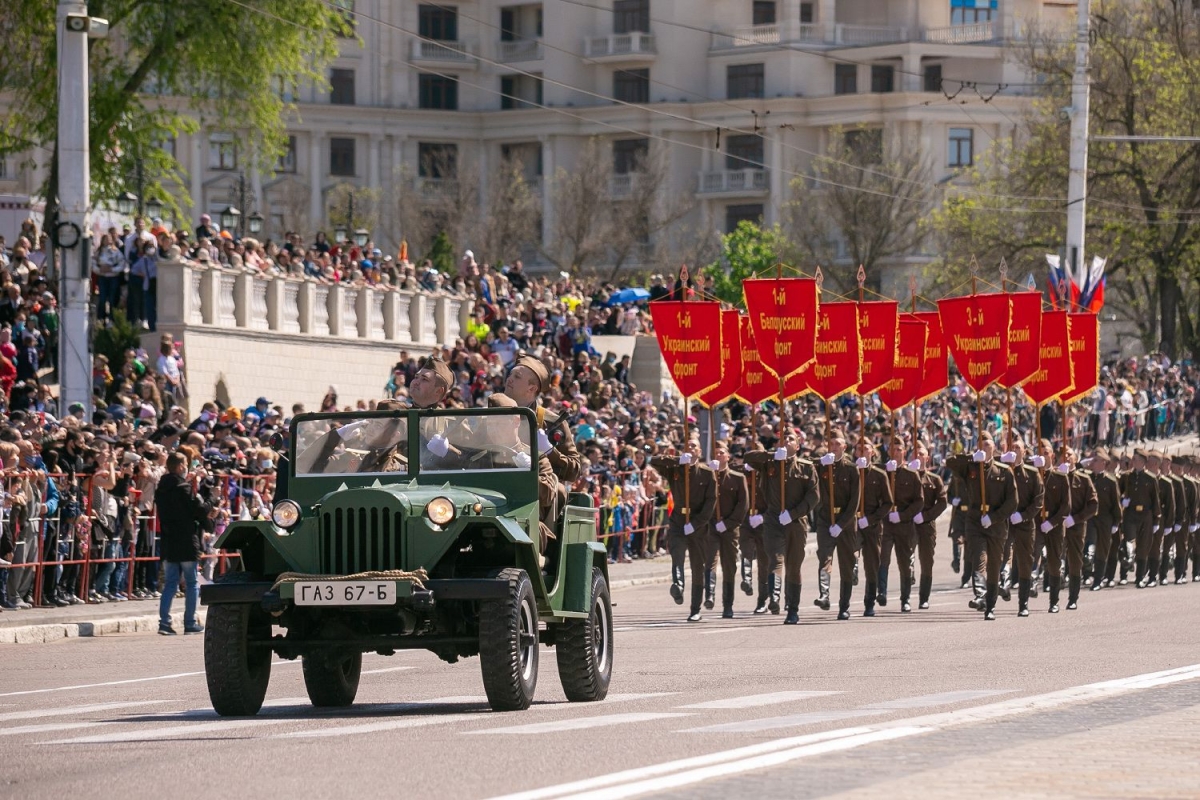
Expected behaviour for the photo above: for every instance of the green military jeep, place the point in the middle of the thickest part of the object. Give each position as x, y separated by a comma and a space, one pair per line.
410, 529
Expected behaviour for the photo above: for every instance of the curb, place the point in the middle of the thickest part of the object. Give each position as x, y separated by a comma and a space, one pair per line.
38, 634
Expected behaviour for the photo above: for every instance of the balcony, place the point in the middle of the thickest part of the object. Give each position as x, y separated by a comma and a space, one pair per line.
735, 182
520, 50
868, 35
766, 35
623, 184
443, 53
845, 35
432, 188
618, 47
962, 34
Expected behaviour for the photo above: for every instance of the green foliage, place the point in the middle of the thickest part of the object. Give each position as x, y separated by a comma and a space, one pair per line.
114, 340
747, 252
441, 253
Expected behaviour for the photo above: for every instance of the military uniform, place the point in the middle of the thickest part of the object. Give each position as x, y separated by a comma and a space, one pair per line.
728, 514
958, 525
700, 497
908, 499
1177, 536
1166, 522
1106, 523
1141, 510
934, 503
995, 502
1030, 498
1055, 510
1183, 540
1083, 507
838, 509
875, 503
750, 540
786, 541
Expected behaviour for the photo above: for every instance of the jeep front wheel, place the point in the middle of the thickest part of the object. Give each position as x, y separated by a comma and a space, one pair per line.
508, 644
585, 648
237, 672
331, 677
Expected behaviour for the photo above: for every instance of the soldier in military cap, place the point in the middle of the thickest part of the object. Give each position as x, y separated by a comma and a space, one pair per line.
835, 523
787, 508
1107, 522
431, 384
1023, 522
1055, 510
874, 503
1193, 471
729, 512
1083, 507
908, 499
1141, 510
958, 529
547, 483
750, 539
1177, 537
990, 499
1184, 539
694, 490
934, 503
1165, 521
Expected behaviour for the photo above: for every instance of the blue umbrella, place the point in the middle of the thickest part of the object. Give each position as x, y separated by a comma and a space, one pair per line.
628, 296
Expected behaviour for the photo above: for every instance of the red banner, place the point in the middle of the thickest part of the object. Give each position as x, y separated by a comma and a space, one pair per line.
758, 384
1054, 371
976, 329
689, 335
909, 369
783, 314
836, 369
937, 359
1024, 337
878, 323
731, 361
1084, 332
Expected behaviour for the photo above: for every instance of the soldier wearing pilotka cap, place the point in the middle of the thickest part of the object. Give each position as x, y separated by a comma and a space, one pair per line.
1140, 513
1164, 522
1106, 525
1023, 521
1083, 507
526, 381
1177, 537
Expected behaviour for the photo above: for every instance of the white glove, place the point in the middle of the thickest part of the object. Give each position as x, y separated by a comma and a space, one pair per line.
919, 518
685, 459
915, 464
785, 518
755, 520
689, 529
861, 463
1114, 530
1154, 529
781, 454
891, 465
439, 445
714, 465
894, 517
835, 530
827, 459
1015, 518
1177, 527
1063, 468
1046, 526
1125, 503
862, 523
522, 460
1069, 521
543, 442
1008, 458
1191, 528
979, 456
721, 526
1039, 462
985, 521
955, 500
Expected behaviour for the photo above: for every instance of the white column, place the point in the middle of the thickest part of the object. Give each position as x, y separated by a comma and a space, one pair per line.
778, 184
548, 167
827, 17
911, 74
484, 181
374, 168
256, 187
196, 143
789, 20
316, 171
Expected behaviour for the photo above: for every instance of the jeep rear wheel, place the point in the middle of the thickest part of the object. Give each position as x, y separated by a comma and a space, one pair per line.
331, 677
237, 673
585, 648
508, 644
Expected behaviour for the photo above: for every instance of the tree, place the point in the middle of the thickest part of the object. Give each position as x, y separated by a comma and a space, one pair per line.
749, 251
441, 253
871, 195
166, 68
366, 207
513, 224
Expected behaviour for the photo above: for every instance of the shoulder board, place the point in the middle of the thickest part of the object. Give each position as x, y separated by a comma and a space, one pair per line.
806, 462
736, 474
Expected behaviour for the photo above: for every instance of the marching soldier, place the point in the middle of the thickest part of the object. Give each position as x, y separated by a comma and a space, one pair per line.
750, 538
1055, 510
1023, 522
908, 499
1165, 521
693, 487
990, 502
1107, 521
874, 503
1083, 508
728, 514
1178, 535
933, 492
835, 523
1192, 496
1141, 510
1193, 470
787, 512
958, 527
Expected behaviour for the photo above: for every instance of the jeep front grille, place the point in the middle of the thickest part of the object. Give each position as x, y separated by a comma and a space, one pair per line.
360, 539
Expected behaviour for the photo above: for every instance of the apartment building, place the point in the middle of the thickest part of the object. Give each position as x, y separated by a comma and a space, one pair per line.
742, 93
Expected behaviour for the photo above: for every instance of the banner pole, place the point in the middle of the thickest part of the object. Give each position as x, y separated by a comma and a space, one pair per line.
782, 418
912, 289
862, 411
687, 407
983, 503
1008, 423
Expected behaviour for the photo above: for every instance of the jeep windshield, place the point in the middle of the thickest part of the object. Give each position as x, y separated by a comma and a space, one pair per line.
348, 446
475, 443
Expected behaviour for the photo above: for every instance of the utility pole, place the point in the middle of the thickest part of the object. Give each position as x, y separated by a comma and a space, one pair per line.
1077, 182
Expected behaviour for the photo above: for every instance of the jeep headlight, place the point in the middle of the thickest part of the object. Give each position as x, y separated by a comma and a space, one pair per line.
440, 511
286, 514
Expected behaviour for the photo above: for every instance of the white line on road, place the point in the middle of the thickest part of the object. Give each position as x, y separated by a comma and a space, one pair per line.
98, 685
789, 721
381, 671
580, 723
383, 725
62, 712
753, 700
944, 698
711, 631
51, 727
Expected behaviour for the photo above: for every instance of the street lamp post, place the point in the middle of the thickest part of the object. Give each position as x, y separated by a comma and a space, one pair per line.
241, 196
343, 233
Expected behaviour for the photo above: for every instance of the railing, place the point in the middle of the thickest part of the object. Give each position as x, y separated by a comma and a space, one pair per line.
845, 34
426, 50
868, 34
521, 50
622, 185
734, 180
961, 34
429, 188
620, 44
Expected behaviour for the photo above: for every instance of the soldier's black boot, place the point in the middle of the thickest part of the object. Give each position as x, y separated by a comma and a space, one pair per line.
1033, 584
677, 584
925, 590
748, 577
697, 598
869, 601
1073, 584
989, 599
776, 586
792, 602
822, 599
1023, 585
1164, 568
764, 594
727, 599
882, 586
844, 602
710, 588
1098, 577
1054, 584
905, 595
1140, 574
1151, 572
1181, 568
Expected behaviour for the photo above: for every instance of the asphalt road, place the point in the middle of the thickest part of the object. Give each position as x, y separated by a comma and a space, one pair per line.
1103, 701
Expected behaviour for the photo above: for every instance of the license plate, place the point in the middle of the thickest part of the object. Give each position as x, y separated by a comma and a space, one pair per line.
345, 593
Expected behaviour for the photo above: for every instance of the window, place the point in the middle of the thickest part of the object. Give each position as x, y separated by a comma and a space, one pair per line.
969, 12
529, 156
347, 9
866, 144
631, 16
806, 13
629, 155
287, 159
341, 87
744, 80
933, 78
508, 25
437, 160
746, 213
3, 168
962, 147
520, 91
764, 12
341, 157
437, 22
744, 152
883, 78
632, 85
222, 151
438, 91
845, 78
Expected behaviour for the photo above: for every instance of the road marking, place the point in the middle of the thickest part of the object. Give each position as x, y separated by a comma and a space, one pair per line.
51, 727
753, 700
944, 698
790, 721
273, 713
62, 712
389, 669
385, 725
99, 685
727, 630
580, 723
